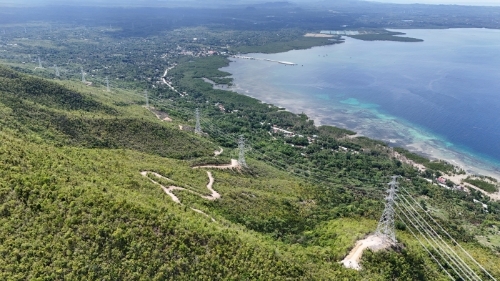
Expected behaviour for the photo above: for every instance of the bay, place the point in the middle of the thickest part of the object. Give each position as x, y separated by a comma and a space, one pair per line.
440, 97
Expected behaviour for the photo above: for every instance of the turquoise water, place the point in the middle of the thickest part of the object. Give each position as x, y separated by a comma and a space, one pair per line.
440, 97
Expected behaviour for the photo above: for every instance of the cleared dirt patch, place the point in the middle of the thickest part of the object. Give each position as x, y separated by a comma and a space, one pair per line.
373, 242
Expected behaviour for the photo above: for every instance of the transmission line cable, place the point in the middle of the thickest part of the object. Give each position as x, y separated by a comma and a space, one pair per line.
426, 239
451, 238
451, 262
426, 249
455, 255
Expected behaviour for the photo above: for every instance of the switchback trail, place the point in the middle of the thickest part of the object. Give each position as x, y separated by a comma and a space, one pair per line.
168, 190
214, 195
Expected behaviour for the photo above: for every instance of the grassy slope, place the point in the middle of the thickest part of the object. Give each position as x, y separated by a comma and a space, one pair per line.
66, 117
78, 213
72, 210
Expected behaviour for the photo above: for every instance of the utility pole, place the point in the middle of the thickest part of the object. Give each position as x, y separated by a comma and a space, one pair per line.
197, 128
385, 228
107, 84
241, 147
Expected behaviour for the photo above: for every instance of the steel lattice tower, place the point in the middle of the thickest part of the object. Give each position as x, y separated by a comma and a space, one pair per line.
39, 63
147, 99
107, 84
83, 75
385, 228
197, 129
241, 146
57, 71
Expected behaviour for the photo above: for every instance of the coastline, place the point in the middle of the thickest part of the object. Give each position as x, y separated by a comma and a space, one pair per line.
433, 152
308, 94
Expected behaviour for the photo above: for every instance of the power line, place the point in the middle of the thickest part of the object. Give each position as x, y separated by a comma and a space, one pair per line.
453, 260
426, 249
454, 256
425, 237
450, 237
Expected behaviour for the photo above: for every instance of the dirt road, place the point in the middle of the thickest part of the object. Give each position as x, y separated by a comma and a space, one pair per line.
372, 242
234, 165
165, 189
214, 195
168, 190
217, 153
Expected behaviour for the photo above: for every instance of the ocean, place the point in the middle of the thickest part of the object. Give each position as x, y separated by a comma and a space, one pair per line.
440, 97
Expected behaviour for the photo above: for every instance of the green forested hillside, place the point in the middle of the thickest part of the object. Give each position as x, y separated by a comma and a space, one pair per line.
74, 205
37, 107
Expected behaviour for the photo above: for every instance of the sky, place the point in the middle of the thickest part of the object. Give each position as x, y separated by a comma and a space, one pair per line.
195, 2
457, 2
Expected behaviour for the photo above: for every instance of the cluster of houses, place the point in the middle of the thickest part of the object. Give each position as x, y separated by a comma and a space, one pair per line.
290, 134
221, 107
441, 181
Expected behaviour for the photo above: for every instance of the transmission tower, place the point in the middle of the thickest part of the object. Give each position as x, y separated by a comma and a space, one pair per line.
57, 71
197, 128
147, 98
385, 228
241, 147
107, 84
39, 63
83, 75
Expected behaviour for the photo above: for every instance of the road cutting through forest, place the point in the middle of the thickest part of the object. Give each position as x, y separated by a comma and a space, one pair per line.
214, 195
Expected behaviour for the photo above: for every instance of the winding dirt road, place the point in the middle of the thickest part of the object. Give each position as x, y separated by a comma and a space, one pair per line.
168, 190
214, 195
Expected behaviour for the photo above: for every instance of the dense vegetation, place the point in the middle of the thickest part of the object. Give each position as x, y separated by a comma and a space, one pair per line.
432, 166
484, 185
74, 205
70, 212
74, 212
66, 117
385, 37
